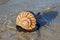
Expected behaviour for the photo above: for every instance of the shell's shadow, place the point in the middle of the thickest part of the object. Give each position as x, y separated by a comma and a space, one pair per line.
41, 20
45, 18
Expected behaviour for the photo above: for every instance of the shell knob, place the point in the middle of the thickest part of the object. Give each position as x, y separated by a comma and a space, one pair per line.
26, 20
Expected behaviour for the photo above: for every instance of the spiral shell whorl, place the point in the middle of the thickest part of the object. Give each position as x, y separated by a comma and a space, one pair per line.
26, 20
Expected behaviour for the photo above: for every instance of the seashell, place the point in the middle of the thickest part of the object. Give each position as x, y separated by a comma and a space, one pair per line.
26, 20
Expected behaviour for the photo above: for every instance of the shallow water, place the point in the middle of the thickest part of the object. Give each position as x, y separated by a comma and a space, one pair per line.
49, 22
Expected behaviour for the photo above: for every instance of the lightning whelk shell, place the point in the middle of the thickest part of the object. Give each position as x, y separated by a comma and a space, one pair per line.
26, 20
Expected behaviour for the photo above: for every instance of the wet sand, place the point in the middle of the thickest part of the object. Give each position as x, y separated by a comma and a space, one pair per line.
49, 29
